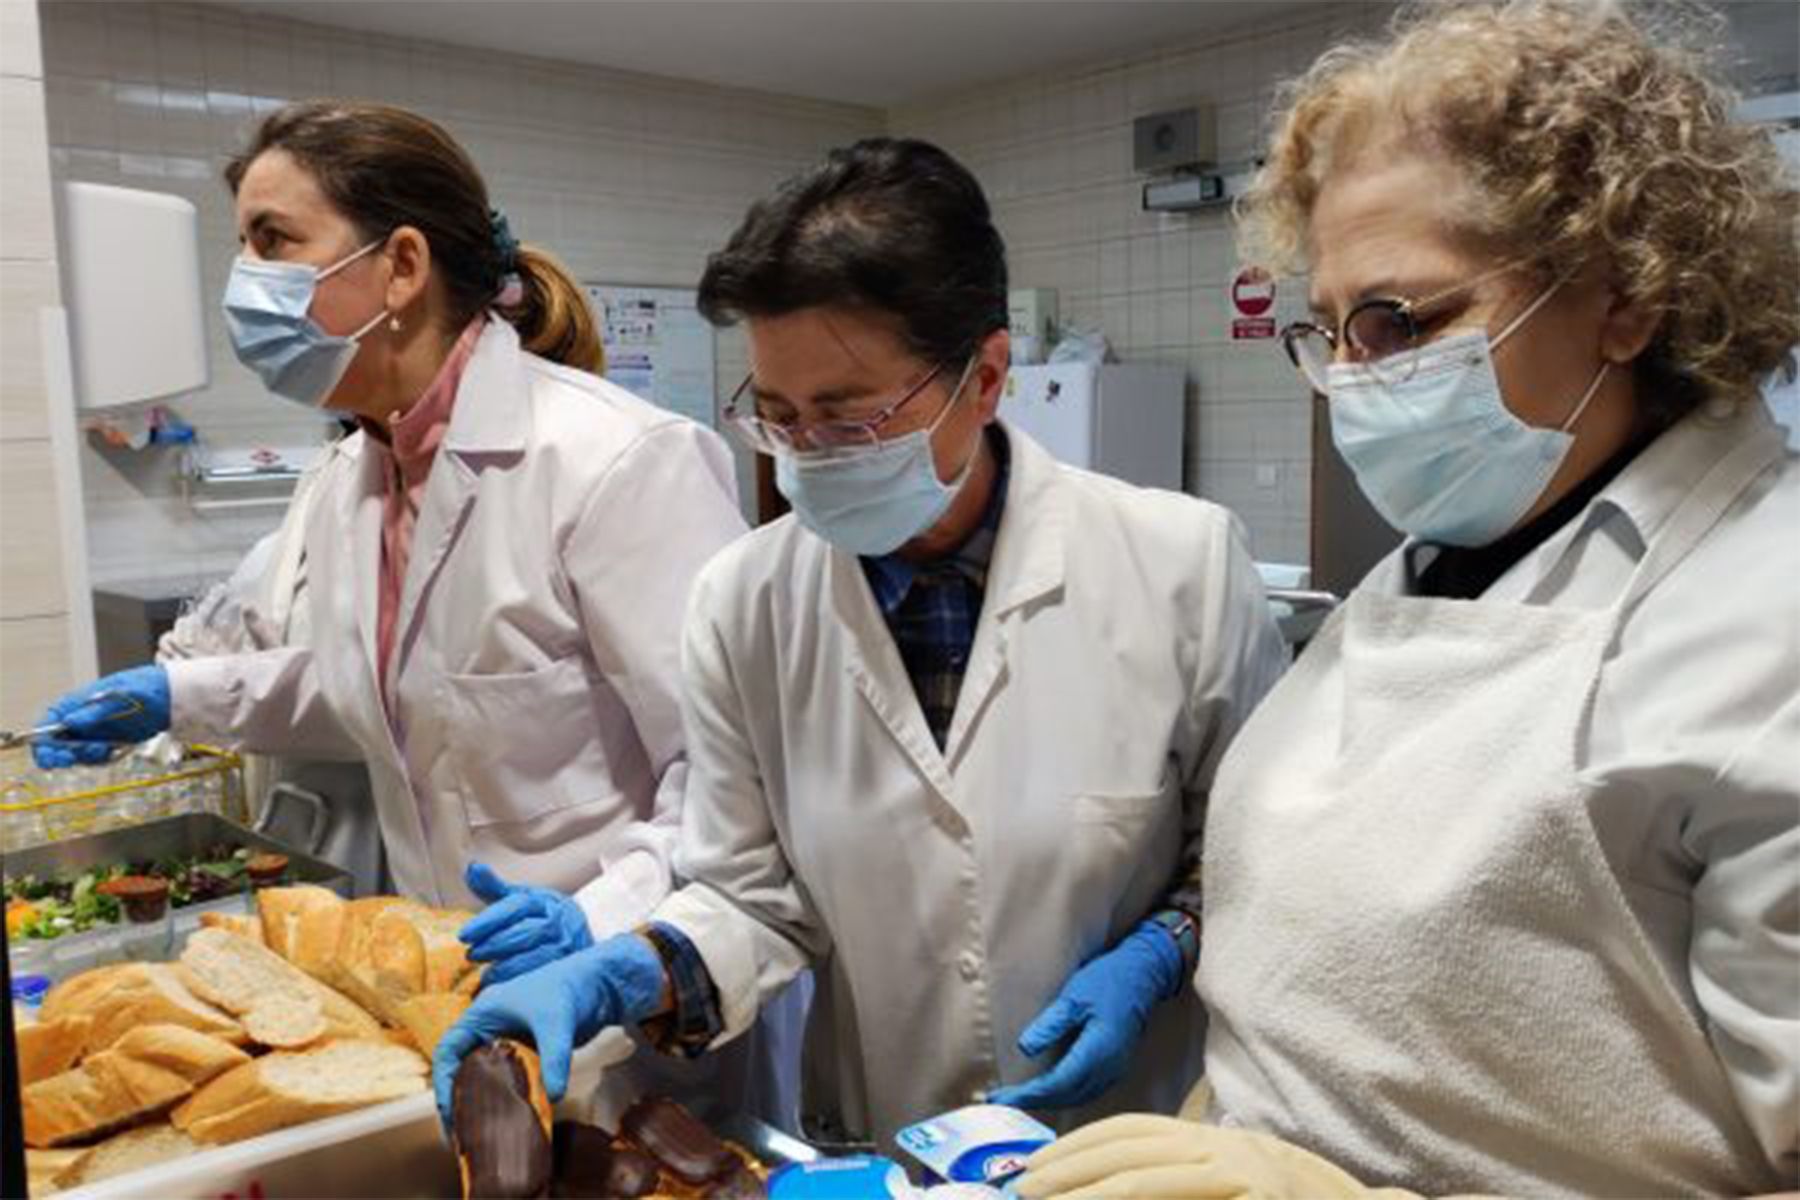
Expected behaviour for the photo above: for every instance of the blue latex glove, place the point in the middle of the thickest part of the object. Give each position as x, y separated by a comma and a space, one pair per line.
127, 706
1104, 1007
568, 1002
522, 928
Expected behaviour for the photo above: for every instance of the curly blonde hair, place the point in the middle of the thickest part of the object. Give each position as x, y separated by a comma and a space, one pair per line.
1582, 138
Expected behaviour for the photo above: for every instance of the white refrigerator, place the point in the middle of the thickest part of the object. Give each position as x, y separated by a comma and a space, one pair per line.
1120, 419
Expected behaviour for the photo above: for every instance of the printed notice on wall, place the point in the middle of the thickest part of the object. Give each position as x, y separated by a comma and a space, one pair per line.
657, 346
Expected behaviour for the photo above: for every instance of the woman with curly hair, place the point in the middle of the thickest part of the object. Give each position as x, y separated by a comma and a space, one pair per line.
1502, 882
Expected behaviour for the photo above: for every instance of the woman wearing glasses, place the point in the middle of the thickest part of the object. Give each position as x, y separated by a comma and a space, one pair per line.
1502, 881
952, 724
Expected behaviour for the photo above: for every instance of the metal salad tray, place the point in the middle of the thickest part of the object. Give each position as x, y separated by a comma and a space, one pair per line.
188, 835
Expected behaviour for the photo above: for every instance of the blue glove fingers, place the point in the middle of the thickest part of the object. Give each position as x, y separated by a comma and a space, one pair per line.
498, 915
1093, 1064
554, 1034
485, 882
456, 1043
1050, 1027
529, 932
520, 964
51, 754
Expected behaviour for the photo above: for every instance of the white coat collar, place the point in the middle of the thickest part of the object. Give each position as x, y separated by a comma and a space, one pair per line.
1029, 551
1650, 487
491, 414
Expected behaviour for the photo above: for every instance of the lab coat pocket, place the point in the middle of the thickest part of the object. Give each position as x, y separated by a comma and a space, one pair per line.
1127, 845
527, 744
1124, 809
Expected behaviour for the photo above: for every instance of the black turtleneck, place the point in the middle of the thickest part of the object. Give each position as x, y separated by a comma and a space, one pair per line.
1465, 572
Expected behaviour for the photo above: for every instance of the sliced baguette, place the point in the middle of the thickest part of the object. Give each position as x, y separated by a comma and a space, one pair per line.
244, 927
144, 1074
235, 974
282, 908
132, 1150
285, 1020
288, 1088
154, 994
426, 1018
48, 1171
76, 993
49, 1048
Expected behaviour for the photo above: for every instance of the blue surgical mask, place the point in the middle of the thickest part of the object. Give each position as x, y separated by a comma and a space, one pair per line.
1433, 445
268, 311
872, 500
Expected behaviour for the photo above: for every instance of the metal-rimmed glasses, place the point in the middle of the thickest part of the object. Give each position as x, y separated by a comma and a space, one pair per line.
788, 437
1378, 330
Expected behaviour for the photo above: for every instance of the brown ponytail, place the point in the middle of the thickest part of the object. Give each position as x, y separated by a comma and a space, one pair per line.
385, 167
552, 316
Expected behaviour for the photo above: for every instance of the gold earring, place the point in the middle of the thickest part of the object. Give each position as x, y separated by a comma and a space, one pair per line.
394, 324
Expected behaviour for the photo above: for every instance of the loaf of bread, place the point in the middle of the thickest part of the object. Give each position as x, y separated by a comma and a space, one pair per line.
501, 1124
245, 927
133, 1150
426, 1018
290, 1087
49, 1048
142, 1075
235, 974
48, 1171
130, 995
379, 950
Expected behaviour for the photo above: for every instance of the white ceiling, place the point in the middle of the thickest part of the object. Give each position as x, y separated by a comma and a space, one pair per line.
874, 52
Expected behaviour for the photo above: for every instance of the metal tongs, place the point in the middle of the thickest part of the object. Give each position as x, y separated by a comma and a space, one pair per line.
132, 706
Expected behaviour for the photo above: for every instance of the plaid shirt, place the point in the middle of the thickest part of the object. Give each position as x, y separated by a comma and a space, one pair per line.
931, 609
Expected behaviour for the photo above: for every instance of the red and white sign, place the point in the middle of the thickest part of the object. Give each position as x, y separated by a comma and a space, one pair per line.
1252, 302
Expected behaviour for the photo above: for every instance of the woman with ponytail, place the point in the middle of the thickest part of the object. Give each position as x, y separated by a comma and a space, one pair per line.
490, 574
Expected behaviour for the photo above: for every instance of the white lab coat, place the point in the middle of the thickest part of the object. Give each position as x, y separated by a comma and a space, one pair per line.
534, 721
261, 607
943, 897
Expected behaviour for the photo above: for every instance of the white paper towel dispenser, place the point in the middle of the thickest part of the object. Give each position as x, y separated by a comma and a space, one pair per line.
132, 286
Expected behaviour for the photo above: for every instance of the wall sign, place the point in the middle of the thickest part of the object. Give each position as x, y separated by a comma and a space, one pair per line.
1252, 305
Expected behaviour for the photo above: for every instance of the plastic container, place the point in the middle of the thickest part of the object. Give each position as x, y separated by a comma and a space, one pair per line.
39, 807
390, 1151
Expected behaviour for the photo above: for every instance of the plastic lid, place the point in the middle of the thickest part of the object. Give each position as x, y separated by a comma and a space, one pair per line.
30, 989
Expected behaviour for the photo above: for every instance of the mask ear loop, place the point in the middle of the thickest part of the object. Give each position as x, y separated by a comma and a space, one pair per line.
1530, 310
1581, 405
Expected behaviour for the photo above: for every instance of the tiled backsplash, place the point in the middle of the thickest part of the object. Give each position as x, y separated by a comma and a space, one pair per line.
628, 178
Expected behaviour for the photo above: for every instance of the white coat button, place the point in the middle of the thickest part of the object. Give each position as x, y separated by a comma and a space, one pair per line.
970, 966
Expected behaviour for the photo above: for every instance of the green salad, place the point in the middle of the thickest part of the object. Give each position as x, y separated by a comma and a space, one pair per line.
44, 908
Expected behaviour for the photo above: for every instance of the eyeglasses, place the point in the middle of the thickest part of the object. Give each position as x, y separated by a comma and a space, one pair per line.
786, 437
1377, 331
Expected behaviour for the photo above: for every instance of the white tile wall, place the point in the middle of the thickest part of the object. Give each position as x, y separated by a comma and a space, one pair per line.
1055, 156
34, 623
629, 178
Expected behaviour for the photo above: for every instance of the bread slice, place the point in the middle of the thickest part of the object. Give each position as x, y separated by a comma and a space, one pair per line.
288, 1088
48, 1171
244, 927
76, 993
145, 1073
427, 1017
281, 910
285, 1020
446, 958
49, 1048
153, 994
235, 974
132, 1150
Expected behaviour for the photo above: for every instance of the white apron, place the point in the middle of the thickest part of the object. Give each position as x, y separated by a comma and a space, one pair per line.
1417, 961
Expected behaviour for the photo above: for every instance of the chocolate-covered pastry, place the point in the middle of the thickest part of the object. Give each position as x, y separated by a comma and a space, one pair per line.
674, 1137
589, 1166
502, 1124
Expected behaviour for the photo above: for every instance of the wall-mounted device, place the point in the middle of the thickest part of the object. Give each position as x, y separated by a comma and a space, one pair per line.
1182, 139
